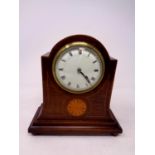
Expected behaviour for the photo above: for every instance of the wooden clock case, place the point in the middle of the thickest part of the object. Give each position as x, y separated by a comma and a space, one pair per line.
52, 116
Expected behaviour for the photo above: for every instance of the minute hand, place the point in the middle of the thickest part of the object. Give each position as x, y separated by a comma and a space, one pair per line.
85, 76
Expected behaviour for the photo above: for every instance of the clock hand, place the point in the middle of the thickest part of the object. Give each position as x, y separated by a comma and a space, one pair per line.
85, 76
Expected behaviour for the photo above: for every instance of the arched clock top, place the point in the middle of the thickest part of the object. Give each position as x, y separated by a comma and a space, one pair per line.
81, 38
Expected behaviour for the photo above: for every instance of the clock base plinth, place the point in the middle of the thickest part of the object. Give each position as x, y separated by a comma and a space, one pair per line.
47, 127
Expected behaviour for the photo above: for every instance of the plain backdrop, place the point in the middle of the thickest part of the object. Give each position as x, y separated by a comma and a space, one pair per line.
45, 22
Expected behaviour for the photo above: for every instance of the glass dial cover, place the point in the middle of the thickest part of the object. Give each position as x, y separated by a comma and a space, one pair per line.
78, 67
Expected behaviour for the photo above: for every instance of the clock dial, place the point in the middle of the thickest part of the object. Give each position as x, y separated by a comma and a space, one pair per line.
78, 67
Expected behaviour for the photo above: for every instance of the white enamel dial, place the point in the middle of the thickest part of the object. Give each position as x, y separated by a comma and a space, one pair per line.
78, 67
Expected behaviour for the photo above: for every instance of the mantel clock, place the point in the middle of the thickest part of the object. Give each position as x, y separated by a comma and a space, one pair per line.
77, 77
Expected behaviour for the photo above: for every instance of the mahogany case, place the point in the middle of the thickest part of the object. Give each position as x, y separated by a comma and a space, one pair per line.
52, 117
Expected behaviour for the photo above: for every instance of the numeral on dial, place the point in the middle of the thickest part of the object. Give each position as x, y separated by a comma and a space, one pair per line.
80, 51
61, 69
94, 61
77, 86
93, 78
63, 77
69, 83
96, 70
70, 54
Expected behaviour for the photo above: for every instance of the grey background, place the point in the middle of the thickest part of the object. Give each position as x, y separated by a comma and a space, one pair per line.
45, 22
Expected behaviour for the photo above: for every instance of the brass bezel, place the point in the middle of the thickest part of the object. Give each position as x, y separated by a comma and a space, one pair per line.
84, 44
